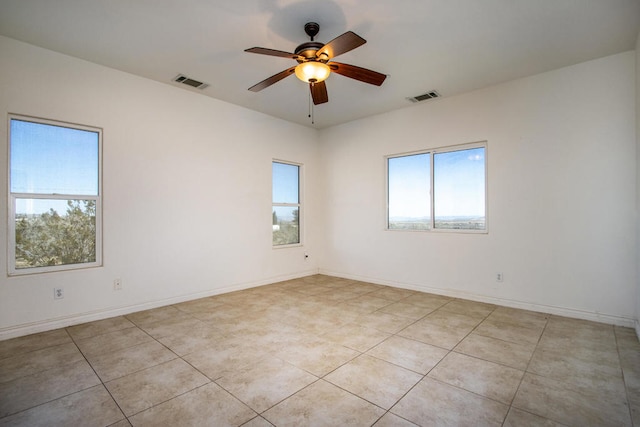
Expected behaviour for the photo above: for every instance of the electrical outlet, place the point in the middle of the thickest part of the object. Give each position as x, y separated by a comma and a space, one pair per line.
499, 277
117, 284
58, 293
306, 256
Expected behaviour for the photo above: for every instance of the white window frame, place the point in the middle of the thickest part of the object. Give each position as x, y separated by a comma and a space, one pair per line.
432, 152
299, 205
11, 240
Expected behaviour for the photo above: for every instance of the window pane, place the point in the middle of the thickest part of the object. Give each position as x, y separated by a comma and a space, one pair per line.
54, 232
49, 159
459, 187
409, 198
285, 183
286, 225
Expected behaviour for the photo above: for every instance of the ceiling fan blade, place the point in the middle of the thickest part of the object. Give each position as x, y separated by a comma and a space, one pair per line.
272, 52
319, 93
341, 44
358, 73
273, 79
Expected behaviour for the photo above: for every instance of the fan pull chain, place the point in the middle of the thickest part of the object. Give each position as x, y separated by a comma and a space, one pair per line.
311, 109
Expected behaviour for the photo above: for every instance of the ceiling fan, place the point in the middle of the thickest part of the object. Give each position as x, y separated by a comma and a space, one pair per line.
314, 64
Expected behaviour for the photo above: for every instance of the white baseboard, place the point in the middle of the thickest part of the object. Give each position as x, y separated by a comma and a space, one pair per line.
76, 319
559, 311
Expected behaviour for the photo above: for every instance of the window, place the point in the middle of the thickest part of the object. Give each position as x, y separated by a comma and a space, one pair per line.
443, 189
286, 203
54, 196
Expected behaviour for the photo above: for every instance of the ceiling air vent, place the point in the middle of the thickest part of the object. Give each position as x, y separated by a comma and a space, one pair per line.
190, 82
429, 95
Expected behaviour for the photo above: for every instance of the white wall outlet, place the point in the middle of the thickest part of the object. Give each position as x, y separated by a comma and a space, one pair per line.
117, 284
58, 293
499, 277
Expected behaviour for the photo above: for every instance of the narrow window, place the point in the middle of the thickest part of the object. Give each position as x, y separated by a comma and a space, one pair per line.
459, 187
409, 192
286, 203
54, 196
443, 189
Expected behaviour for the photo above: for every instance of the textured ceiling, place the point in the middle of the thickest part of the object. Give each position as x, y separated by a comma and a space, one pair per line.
452, 46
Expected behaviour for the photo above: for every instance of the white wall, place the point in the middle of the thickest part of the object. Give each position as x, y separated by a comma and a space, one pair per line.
187, 191
561, 190
638, 184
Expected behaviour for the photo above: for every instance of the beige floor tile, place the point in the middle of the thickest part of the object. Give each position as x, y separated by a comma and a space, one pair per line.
414, 355
497, 382
523, 318
357, 337
27, 392
38, 360
495, 350
469, 308
384, 322
208, 405
200, 305
224, 356
340, 295
122, 423
413, 312
265, 383
91, 407
270, 344
317, 356
26, 344
426, 300
143, 389
374, 380
565, 338
323, 404
391, 420
369, 302
509, 331
99, 327
199, 338
113, 341
518, 418
432, 403
257, 422
583, 367
393, 294
452, 319
567, 404
165, 328
436, 334
116, 364
155, 315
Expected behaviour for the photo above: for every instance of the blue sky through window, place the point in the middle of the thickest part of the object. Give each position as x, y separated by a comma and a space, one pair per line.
47, 159
459, 183
409, 179
285, 183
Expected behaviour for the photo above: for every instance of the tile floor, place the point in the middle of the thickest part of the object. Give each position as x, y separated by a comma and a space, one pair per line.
324, 351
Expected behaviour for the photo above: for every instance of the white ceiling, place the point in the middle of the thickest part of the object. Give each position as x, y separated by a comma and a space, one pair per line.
452, 46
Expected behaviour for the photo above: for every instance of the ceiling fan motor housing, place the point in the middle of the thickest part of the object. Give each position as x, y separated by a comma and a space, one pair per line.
308, 50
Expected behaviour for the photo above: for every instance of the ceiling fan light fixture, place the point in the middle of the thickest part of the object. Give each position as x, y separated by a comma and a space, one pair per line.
313, 71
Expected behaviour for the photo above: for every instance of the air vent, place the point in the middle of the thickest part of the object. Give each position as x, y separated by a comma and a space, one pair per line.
429, 95
190, 82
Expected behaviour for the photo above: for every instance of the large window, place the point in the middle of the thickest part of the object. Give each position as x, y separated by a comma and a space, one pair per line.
286, 203
442, 189
54, 196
